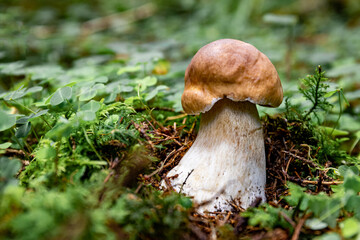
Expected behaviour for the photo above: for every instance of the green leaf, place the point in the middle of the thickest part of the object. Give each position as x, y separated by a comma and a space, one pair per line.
325, 208
296, 194
102, 79
86, 115
343, 169
24, 120
8, 169
6, 120
149, 81
112, 119
34, 89
354, 169
118, 87
357, 134
87, 94
110, 98
23, 130
45, 72
186, 202
329, 236
98, 86
126, 89
88, 111
70, 84
352, 204
62, 129
131, 100
334, 132
46, 153
92, 106
154, 92
315, 224
19, 93
61, 95
129, 69
352, 182
13, 68
344, 139
266, 217
78, 175
40, 113
2, 95
350, 227
5, 145
145, 82
329, 94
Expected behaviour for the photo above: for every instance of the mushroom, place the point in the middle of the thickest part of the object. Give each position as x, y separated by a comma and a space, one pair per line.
226, 163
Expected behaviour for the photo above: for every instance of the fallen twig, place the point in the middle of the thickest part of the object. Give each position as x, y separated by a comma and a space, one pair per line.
322, 182
302, 181
288, 219
307, 161
162, 165
186, 180
298, 227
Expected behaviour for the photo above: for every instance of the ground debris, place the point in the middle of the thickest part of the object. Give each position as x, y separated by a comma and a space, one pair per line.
288, 159
291, 159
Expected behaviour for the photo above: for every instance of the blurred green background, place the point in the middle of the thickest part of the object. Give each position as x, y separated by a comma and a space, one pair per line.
297, 35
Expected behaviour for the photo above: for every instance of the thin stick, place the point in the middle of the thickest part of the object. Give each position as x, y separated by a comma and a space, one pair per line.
301, 181
298, 227
138, 188
324, 183
162, 165
311, 163
288, 219
186, 180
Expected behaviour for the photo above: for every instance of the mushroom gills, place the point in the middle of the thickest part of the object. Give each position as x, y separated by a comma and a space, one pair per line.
227, 160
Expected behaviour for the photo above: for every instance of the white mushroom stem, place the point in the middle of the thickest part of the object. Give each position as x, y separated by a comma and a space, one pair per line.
226, 163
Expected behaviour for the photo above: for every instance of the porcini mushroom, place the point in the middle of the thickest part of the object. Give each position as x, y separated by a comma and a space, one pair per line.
224, 81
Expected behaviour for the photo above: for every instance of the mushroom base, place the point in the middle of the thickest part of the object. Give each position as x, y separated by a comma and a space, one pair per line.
226, 163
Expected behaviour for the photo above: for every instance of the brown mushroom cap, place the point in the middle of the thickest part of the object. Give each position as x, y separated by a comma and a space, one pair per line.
232, 69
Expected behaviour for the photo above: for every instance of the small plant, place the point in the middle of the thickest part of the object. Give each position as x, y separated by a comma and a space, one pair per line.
314, 90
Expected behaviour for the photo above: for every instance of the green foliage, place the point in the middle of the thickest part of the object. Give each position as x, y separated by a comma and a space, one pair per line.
8, 170
324, 140
268, 217
60, 96
324, 211
74, 214
51, 214
314, 90
156, 217
6, 120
